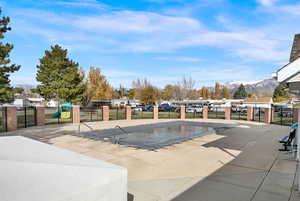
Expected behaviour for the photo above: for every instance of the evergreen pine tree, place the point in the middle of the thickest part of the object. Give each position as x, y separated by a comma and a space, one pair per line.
240, 93
59, 77
280, 93
6, 91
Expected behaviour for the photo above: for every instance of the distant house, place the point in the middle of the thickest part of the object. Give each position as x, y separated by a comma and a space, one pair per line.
21, 102
134, 102
264, 102
36, 102
122, 102
51, 103
201, 102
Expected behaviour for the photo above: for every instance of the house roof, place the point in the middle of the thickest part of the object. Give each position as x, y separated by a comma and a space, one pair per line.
259, 100
288, 71
36, 99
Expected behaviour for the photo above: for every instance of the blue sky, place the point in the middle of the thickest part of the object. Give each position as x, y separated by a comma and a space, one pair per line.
161, 40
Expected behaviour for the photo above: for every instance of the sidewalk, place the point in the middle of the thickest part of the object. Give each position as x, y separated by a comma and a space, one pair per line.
259, 173
238, 164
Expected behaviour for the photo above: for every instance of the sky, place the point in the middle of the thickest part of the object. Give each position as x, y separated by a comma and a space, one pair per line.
160, 40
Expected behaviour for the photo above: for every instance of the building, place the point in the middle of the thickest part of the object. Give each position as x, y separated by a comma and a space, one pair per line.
201, 102
34, 102
51, 103
295, 52
28, 102
21, 102
289, 76
122, 102
265, 102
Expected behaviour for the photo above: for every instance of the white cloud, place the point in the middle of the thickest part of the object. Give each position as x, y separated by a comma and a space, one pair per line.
81, 3
267, 2
163, 1
179, 59
118, 73
135, 22
133, 31
292, 9
18, 78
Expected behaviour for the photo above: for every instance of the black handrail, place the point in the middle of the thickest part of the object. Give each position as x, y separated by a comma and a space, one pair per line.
117, 126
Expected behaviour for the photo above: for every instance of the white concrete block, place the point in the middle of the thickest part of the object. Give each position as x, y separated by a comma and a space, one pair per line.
34, 171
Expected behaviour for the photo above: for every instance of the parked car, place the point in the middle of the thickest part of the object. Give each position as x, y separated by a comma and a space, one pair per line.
241, 110
138, 109
194, 109
148, 108
176, 109
164, 108
286, 112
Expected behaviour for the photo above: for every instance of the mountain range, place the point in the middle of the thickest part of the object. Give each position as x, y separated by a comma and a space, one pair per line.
263, 88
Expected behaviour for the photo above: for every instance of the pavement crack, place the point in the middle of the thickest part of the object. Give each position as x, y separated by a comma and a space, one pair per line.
263, 180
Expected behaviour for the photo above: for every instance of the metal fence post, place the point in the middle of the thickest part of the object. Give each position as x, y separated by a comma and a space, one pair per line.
25, 117
281, 115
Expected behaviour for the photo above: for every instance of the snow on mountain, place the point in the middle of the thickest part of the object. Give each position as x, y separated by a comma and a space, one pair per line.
243, 82
259, 88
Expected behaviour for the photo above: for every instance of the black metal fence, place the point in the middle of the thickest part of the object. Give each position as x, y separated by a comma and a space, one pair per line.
193, 113
26, 117
117, 113
52, 115
138, 114
2, 119
90, 114
216, 112
169, 114
282, 115
258, 114
238, 113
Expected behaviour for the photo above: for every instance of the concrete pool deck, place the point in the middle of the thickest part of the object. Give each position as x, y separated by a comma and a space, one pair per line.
240, 164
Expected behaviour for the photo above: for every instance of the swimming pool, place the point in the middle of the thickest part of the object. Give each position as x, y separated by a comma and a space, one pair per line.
152, 137
157, 138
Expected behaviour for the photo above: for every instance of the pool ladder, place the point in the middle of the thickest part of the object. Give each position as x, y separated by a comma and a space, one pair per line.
89, 127
119, 127
117, 139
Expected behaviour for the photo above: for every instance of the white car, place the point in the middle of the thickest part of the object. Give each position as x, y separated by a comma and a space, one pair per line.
194, 109
138, 109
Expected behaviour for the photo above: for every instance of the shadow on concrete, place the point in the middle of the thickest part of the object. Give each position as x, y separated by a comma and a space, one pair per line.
236, 142
43, 133
256, 174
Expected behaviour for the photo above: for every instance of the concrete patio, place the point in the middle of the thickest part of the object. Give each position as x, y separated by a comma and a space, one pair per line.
241, 163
